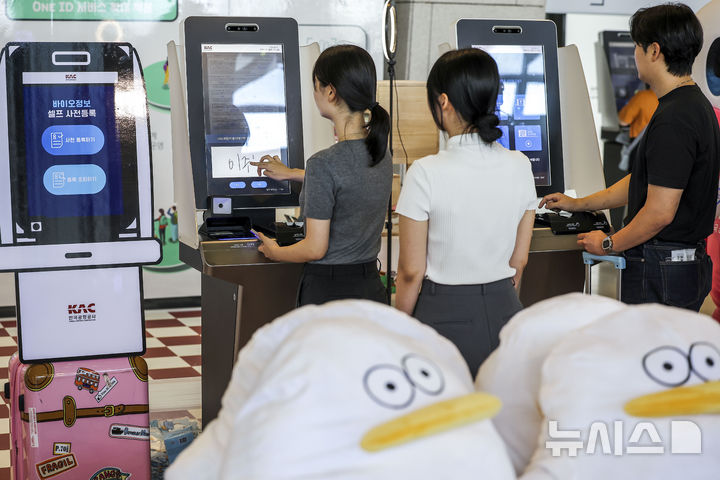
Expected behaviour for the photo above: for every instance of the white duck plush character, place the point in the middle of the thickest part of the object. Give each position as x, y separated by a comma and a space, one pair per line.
349, 390
634, 393
512, 371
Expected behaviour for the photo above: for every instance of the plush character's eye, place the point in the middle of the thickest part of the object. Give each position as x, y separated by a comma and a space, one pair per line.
424, 374
668, 366
388, 386
705, 361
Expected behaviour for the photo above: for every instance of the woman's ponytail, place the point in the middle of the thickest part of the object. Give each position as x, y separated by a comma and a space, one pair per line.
487, 127
351, 70
378, 129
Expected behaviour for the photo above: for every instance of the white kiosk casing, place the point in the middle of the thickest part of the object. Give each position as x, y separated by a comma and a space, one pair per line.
709, 81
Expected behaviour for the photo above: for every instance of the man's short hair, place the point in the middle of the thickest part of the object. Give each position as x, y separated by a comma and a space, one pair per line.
675, 28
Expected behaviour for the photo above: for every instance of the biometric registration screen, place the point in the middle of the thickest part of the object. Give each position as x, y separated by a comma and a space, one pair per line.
522, 104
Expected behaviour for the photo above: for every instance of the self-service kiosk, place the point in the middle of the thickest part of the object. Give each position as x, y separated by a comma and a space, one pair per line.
75, 197
243, 101
544, 110
617, 83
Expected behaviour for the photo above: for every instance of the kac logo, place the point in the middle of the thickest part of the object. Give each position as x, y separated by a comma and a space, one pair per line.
81, 312
81, 308
70, 77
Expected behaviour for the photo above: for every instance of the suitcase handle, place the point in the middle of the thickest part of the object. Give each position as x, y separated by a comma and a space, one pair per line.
590, 259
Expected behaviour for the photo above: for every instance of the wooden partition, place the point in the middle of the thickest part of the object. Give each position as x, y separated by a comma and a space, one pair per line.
413, 125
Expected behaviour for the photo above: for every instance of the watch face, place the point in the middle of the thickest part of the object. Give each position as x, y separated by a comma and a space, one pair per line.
607, 243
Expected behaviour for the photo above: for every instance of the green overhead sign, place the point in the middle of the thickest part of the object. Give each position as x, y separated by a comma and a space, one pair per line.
138, 10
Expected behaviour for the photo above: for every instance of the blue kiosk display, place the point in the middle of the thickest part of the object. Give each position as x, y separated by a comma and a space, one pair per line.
243, 102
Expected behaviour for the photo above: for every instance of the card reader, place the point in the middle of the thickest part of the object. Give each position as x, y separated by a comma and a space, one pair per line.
578, 222
227, 228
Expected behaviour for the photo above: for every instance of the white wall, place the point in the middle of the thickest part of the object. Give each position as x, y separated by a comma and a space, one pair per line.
423, 25
620, 7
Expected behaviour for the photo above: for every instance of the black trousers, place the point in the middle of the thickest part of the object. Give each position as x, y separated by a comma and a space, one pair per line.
471, 316
650, 276
324, 283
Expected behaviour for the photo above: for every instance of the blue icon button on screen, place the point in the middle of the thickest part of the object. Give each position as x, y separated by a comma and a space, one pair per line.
505, 139
528, 138
259, 184
74, 179
72, 140
237, 185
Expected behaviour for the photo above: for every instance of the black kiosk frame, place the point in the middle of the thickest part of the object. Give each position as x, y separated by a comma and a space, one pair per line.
542, 35
224, 123
243, 93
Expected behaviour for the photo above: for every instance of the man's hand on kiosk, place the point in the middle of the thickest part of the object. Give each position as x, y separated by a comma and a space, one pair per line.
268, 245
272, 167
560, 201
592, 242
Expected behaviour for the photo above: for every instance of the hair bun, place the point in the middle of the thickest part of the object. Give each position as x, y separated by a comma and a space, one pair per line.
487, 127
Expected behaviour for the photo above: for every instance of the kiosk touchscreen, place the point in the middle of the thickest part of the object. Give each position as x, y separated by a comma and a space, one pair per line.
529, 101
620, 54
75, 175
243, 103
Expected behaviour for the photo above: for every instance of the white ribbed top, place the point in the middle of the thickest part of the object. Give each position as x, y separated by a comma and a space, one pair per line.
473, 196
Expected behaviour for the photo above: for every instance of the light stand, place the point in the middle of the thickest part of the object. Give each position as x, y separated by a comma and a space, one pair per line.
389, 51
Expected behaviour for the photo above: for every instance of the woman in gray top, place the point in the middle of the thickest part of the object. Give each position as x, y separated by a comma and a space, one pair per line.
346, 188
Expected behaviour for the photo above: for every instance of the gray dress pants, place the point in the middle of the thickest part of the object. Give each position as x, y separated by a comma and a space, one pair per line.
471, 316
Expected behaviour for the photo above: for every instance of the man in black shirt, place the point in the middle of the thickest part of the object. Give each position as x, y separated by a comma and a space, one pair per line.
672, 189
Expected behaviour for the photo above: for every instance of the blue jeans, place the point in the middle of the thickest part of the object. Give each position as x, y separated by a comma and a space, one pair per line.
650, 276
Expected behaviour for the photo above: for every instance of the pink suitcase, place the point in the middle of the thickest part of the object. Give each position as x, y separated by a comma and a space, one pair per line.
85, 419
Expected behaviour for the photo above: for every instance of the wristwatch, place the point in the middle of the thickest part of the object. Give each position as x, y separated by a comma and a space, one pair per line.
607, 244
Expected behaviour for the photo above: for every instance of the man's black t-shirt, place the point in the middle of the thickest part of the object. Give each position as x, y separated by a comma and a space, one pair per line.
680, 149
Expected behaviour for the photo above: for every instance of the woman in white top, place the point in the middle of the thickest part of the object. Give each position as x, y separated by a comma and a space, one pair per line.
466, 213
